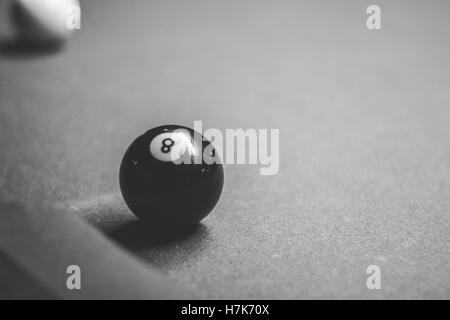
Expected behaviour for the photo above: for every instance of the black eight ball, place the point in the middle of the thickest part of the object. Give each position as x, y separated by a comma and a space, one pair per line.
171, 175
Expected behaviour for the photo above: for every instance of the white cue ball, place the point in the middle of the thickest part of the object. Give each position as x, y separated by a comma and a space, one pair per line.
43, 20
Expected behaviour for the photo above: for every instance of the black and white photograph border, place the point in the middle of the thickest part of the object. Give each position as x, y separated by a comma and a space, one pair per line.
224, 150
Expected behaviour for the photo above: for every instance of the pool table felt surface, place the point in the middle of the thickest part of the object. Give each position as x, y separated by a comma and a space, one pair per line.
364, 138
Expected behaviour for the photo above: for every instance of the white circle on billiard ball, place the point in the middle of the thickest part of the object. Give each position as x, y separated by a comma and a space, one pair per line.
172, 146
